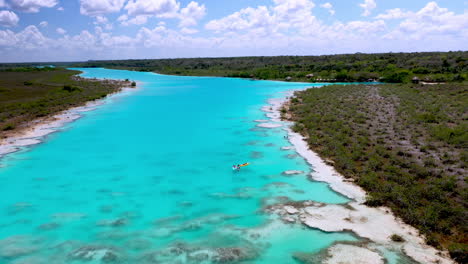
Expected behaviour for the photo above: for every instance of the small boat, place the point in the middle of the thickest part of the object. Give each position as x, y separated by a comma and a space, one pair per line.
237, 167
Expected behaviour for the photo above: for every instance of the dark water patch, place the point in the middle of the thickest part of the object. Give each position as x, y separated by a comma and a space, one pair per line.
273, 200
269, 177
238, 195
252, 143
157, 178
115, 235
67, 217
270, 145
182, 252
277, 185
49, 226
118, 222
118, 178
174, 192
299, 191
256, 155
258, 129
131, 215
138, 244
168, 220
17, 246
33, 260
104, 254
291, 156
185, 204
106, 208
19, 207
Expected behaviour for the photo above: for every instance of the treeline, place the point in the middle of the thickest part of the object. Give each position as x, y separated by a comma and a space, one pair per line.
406, 145
384, 67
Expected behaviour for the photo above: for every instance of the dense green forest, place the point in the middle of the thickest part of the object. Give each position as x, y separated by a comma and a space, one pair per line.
385, 67
359, 67
27, 93
405, 144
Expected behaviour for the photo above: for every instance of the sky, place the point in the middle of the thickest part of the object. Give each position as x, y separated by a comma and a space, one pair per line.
80, 30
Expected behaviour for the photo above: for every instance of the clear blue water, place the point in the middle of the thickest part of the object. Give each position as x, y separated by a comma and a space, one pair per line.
151, 170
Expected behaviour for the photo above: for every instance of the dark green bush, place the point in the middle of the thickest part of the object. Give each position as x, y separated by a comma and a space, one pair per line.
397, 238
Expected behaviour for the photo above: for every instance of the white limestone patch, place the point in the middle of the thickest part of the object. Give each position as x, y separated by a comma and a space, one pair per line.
350, 254
269, 125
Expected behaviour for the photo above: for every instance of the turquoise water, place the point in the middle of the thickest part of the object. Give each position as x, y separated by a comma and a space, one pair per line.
147, 176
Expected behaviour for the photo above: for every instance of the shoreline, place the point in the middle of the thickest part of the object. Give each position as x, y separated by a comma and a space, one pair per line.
365, 222
34, 132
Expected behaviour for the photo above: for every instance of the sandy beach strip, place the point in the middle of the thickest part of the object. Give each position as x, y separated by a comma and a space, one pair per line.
375, 224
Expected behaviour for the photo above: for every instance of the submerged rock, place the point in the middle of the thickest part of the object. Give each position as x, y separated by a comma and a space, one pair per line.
106, 208
256, 154
96, 253
292, 172
291, 210
291, 156
233, 254
16, 246
269, 125
49, 226
114, 222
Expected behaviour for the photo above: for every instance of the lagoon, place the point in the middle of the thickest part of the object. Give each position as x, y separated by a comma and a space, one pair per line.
147, 178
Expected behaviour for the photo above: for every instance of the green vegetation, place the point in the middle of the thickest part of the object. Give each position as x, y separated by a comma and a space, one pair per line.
405, 144
385, 67
28, 93
397, 238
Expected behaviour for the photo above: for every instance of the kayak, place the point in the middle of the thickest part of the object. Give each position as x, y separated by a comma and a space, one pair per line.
245, 164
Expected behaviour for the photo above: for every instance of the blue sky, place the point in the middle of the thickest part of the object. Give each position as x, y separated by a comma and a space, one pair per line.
71, 30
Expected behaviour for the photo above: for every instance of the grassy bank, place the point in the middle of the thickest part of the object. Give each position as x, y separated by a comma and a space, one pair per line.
385, 67
30, 93
404, 144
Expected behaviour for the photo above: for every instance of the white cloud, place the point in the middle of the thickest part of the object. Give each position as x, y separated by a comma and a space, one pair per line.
43, 24
30, 38
138, 20
431, 20
395, 13
61, 31
366, 27
2, 3
101, 20
245, 19
122, 18
60, 9
190, 15
100, 7
160, 8
8, 18
263, 20
30, 6
188, 30
368, 6
329, 7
